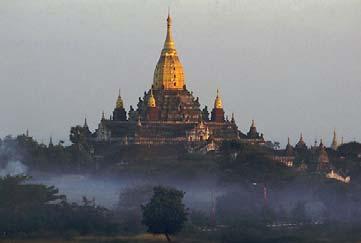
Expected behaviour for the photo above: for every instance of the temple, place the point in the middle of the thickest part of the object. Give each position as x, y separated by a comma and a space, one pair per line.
168, 113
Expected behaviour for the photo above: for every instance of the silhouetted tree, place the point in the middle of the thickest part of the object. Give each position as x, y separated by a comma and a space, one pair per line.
205, 113
165, 213
350, 150
27, 208
77, 135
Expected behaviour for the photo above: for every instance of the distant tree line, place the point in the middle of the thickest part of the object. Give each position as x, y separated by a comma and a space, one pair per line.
44, 157
30, 210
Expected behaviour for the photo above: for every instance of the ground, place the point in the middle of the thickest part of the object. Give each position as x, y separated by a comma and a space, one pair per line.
141, 238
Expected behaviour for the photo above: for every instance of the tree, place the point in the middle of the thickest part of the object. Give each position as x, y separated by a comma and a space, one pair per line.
15, 193
77, 135
205, 113
165, 213
28, 209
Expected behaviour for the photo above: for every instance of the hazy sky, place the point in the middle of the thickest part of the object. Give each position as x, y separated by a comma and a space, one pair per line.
292, 65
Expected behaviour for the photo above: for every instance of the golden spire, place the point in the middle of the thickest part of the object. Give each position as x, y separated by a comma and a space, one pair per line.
301, 137
218, 102
151, 100
288, 141
119, 104
169, 42
168, 73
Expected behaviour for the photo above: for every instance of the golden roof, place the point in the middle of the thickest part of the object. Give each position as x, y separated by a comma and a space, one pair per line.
151, 100
168, 73
119, 104
218, 102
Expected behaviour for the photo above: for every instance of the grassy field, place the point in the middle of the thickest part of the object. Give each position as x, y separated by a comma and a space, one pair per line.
142, 238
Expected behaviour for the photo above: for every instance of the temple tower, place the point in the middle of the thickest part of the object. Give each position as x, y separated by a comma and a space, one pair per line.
252, 133
217, 114
168, 73
334, 144
289, 151
323, 159
301, 145
119, 113
173, 101
152, 109
86, 128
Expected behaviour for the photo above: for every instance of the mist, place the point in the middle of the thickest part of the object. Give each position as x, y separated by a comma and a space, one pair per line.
202, 193
13, 168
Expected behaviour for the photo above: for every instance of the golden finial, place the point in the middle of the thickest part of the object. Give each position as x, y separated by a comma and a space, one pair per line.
169, 42
151, 100
218, 102
119, 103
301, 137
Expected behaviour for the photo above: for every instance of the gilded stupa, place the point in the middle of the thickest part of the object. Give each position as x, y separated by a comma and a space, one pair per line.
168, 113
218, 102
119, 103
168, 73
151, 100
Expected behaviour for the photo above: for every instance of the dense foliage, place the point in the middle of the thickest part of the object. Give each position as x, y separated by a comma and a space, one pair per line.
165, 213
44, 157
30, 210
251, 163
